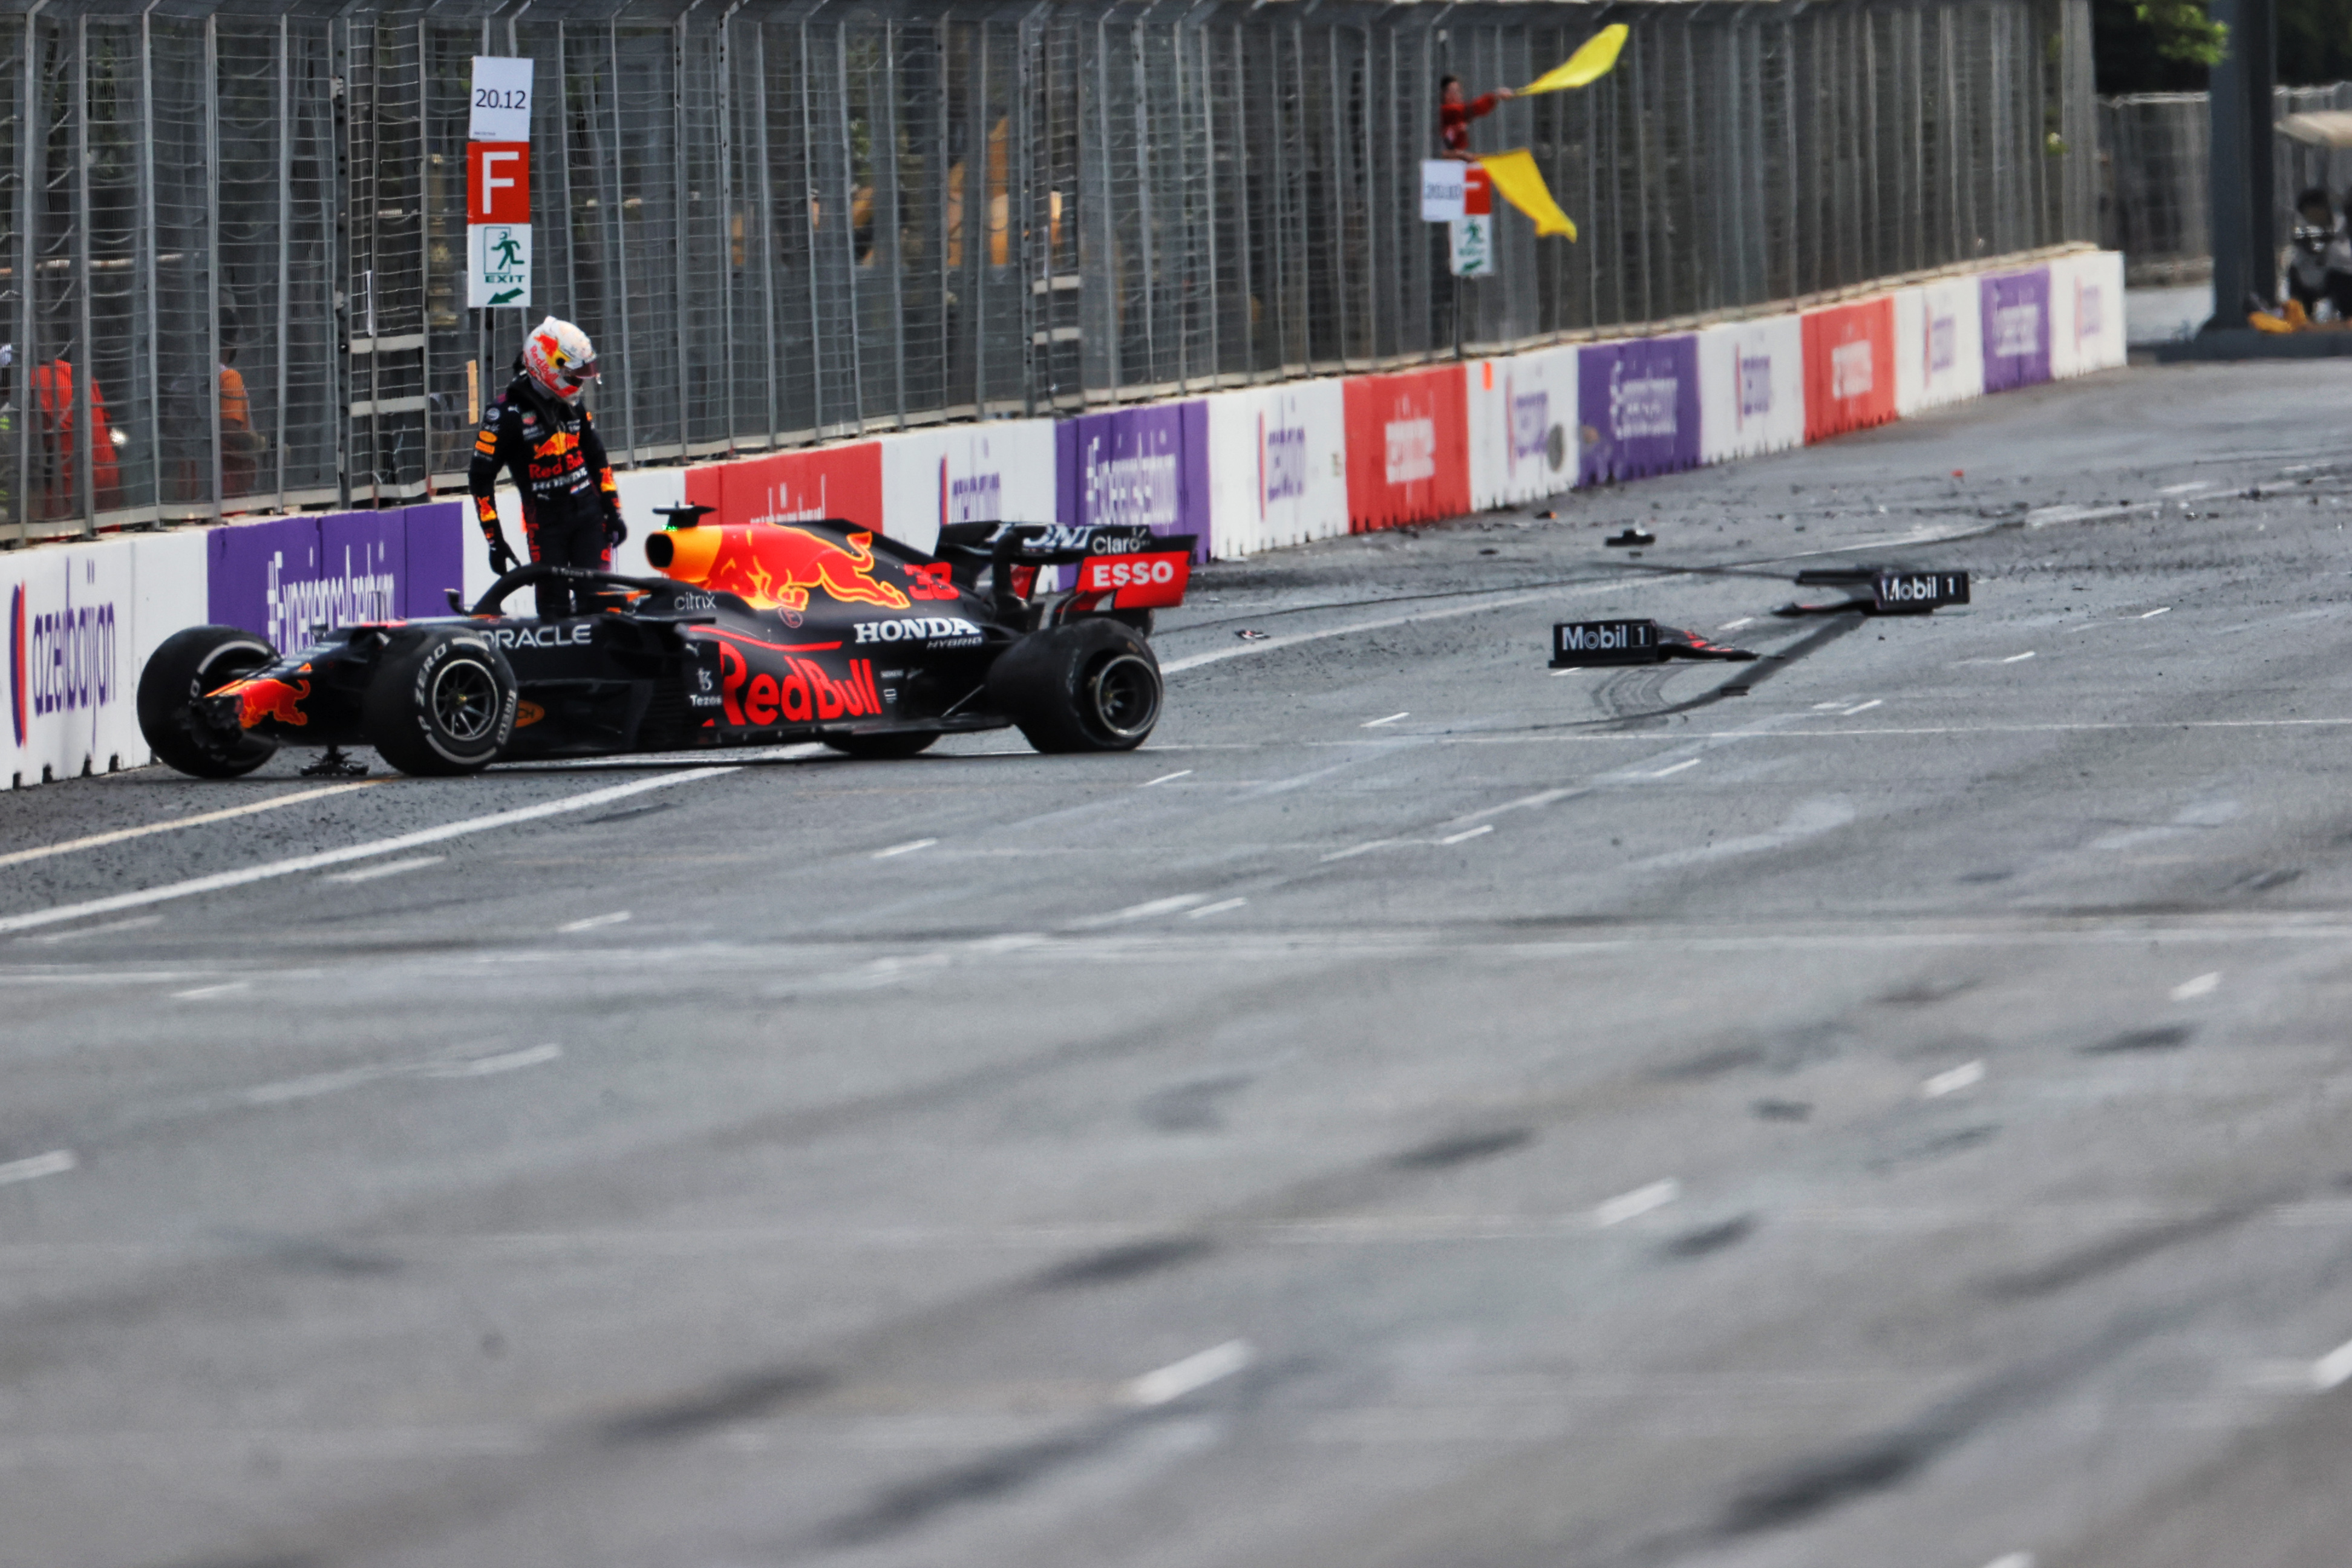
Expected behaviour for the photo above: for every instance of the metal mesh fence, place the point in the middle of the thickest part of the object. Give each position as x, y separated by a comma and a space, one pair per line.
232, 239
2155, 163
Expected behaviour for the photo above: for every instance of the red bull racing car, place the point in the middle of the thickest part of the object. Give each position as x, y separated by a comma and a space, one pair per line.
758, 633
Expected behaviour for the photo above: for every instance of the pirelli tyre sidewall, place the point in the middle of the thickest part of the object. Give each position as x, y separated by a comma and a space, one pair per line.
440, 703
1089, 685
188, 665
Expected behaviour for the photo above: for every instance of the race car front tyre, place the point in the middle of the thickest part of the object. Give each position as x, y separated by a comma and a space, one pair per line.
1089, 685
440, 704
188, 665
887, 746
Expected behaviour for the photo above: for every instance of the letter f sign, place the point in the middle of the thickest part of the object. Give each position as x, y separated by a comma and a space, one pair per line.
498, 182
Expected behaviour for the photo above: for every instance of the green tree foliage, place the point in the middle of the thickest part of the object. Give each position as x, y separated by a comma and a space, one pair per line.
2164, 45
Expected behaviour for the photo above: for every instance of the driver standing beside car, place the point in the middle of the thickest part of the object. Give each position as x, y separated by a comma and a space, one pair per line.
540, 431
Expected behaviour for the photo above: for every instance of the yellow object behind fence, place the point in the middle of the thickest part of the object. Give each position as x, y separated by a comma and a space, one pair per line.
1588, 64
1522, 184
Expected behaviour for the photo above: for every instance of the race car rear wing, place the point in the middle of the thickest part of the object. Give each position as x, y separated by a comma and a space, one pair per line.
1128, 564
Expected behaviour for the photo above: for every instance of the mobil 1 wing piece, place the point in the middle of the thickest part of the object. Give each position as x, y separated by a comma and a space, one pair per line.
1577, 644
1891, 590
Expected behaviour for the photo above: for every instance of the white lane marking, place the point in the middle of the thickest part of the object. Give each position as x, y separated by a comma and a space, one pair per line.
1190, 1375
295, 864
596, 922
56, 1163
1525, 803
2019, 658
1220, 906
2013, 1559
906, 848
122, 834
1686, 763
1391, 719
489, 1066
1964, 1075
1156, 907
285, 1092
1866, 707
1468, 833
2192, 488
1735, 626
1640, 1201
2153, 614
137, 922
1355, 849
1164, 778
391, 868
2203, 984
227, 988
2332, 1370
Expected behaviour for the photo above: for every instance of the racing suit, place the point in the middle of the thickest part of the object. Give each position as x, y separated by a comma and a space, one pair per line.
571, 509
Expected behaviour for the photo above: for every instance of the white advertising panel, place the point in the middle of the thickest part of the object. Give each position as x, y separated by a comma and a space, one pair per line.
2087, 313
642, 491
1277, 467
1000, 471
171, 592
1939, 343
1751, 388
1522, 423
72, 668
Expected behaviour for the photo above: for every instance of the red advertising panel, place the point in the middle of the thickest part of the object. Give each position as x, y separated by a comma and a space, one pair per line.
794, 487
498, 182
1408, 448
1849, 367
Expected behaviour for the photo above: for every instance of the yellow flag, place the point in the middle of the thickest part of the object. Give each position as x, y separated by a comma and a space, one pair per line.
1588, 64
1522, 184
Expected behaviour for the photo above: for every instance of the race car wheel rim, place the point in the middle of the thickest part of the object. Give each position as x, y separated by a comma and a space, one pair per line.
1126, 695
466, 701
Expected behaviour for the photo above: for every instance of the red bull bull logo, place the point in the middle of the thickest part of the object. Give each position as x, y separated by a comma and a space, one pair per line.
773, 566
264, 698
555, 445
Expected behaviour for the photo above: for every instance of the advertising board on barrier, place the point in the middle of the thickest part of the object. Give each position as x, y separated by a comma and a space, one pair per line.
286, 577
1277, 467
1849, 367
1407, 440
803, 486
1520, 423
1939, 344
2087, 313
1002, 472
80, 621
2016, 330
1751, 388
1145, 467
1638, 405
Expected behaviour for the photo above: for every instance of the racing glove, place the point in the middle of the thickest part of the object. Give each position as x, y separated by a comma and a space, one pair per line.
502, 559
616, 531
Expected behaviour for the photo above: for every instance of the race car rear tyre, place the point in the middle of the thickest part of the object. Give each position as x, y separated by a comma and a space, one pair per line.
441, 704
889, 745
1089, 685
189, 664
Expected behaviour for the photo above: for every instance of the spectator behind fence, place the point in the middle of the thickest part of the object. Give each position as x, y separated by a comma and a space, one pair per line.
2314, 236
1454, 116
53, 480
241, 445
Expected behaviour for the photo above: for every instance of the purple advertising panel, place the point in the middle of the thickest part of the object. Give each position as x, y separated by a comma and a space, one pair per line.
2017, 330
1148, 466
1639, 406
288, 578
436, 558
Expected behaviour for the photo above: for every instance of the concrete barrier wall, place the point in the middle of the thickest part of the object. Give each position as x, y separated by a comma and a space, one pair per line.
1246, 471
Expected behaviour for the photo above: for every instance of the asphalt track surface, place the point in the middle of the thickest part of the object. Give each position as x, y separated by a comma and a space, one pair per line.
1421, 1111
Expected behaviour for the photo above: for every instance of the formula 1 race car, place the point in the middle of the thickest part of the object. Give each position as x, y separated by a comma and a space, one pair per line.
759, 633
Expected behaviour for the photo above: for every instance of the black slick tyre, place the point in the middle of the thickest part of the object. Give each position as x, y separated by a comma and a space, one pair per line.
441, 704
887, 746
1088, 685
190, 663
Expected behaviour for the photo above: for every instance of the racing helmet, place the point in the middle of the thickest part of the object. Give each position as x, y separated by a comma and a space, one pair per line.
559, 358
